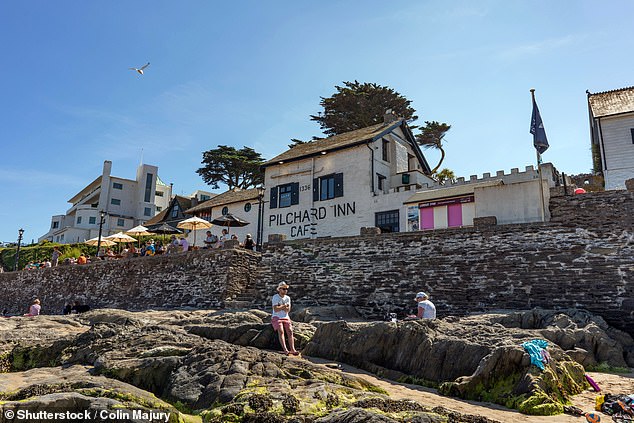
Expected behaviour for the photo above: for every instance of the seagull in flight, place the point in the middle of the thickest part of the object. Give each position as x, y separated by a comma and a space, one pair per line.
140, 71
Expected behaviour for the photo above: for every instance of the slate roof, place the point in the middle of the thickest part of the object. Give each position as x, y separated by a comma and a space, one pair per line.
184, 204
235, 195
335, 142
613, 102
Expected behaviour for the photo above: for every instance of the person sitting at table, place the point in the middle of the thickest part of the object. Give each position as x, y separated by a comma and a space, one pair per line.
184, 244
211, 240
82, 259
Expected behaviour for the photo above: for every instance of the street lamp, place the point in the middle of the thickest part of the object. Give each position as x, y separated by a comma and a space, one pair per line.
102, 214
258, 238
17, 253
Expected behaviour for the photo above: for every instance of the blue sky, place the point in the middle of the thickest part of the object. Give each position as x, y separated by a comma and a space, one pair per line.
251, 72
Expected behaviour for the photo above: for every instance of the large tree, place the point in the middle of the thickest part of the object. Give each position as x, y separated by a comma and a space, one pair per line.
234, 168
356, 105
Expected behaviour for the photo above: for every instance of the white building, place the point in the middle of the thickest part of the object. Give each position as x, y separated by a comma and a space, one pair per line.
242, 203
515, 197
126, 203
336, 186
612, 134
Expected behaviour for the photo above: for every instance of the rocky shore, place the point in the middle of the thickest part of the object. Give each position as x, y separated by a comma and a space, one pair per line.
224, 365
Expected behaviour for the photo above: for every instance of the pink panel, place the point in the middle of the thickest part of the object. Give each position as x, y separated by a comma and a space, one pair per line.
427, 218
454, 215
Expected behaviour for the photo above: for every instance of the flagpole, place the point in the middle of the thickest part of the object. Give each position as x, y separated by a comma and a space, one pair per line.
539, 172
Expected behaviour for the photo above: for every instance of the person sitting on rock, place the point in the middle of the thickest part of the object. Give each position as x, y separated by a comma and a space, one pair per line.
426, 309
280, 319
35, 308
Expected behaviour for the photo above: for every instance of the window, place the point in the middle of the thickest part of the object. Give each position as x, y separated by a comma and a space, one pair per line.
55, 225
148, 187
117, 185
284, 195
225, 210
159, 193
115, 201
328, 187
204, 197
381, 182
61, 238
632, 132
247, 207
147, 211
385, 151
92, 220
120, 222
175, 210
158, 208
387, 221
79, 220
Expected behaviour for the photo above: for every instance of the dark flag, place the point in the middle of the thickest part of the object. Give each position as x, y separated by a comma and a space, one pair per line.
537, 129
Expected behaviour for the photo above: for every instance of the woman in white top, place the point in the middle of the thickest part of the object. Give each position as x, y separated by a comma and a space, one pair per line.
281, 321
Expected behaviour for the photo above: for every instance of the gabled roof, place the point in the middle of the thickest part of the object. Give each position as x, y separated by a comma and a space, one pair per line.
235, 195
184, 204
345, 140
613, 102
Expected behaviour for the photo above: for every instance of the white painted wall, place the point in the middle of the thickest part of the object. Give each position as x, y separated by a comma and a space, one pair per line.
236, 209
618, 150
512, 203
343, 216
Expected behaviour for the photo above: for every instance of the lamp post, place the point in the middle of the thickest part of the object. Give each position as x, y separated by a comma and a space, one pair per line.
102, 214
258, 238
17, 253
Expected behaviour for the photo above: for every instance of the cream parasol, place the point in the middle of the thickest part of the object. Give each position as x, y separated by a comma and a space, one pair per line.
94, 241
139, 231
193, 224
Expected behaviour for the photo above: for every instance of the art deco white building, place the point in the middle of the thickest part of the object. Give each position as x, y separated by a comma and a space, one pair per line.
126, 202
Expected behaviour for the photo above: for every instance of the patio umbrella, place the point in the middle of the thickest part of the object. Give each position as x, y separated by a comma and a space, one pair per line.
166, 229
94, 241
194, 223
138, 231
120, 237
230, 221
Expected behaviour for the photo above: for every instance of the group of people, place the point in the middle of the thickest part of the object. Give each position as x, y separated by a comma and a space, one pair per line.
281, 321
212, 241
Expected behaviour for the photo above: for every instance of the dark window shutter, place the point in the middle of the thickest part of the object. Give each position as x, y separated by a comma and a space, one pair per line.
294, 193
632, 132
273, 203
338, 185
316, 189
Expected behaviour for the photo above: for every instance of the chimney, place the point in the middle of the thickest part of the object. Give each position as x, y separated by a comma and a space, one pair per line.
390, 116
107, 167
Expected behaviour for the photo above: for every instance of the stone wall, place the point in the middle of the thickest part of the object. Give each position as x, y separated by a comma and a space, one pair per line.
198, 279
584, 259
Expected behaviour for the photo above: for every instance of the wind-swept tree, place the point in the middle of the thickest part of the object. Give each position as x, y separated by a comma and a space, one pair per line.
432, 135
234, 168
356, 105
